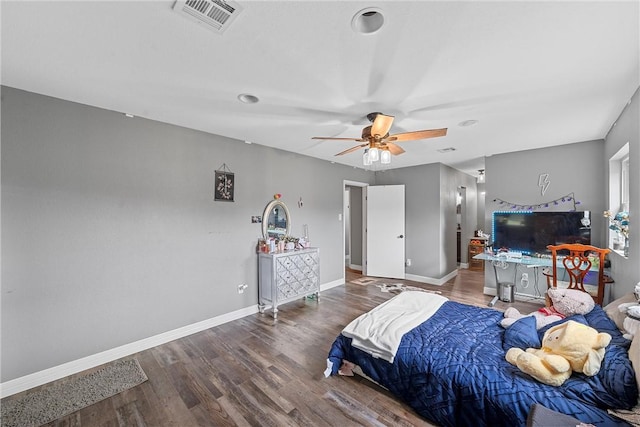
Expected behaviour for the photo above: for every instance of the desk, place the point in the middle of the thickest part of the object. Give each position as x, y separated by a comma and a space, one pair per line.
535, 262
505, 289
525, 260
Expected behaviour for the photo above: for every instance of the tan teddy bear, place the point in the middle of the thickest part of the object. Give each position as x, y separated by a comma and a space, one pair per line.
568, 347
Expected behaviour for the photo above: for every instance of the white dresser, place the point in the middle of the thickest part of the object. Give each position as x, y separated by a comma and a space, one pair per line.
286, 276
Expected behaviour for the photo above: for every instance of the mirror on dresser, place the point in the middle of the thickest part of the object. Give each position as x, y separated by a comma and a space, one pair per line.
276, 220
288, 269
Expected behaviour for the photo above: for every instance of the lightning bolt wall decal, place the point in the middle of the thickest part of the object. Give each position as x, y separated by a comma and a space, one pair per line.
543, 183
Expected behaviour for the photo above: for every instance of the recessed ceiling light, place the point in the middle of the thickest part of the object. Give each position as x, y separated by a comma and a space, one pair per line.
247, 98
467, 123
367, 21
446, 150
128, 115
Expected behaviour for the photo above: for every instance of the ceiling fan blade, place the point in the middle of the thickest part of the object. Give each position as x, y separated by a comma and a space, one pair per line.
419, 134
394, 149
381, 125
338, 139
352, 149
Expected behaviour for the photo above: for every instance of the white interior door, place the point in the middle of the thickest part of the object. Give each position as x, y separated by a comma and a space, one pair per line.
385, 231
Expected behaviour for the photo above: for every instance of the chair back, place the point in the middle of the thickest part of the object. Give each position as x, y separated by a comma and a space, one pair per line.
577, 260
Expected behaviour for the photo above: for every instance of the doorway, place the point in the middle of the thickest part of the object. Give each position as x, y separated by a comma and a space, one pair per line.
357, 217
458, 226
461, 227
385, 231
354, 225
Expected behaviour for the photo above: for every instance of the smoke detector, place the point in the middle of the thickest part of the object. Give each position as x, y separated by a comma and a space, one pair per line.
216, 15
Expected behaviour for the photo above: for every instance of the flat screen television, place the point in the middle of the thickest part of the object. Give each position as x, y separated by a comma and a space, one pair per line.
530, 232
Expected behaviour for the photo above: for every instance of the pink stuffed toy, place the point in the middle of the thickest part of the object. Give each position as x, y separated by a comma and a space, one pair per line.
566, 302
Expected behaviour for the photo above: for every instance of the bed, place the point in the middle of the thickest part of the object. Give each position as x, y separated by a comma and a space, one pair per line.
450, 367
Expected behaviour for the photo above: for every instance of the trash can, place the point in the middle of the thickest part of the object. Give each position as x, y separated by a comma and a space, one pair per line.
506, 291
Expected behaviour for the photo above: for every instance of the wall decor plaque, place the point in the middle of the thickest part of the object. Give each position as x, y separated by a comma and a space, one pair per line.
224, 184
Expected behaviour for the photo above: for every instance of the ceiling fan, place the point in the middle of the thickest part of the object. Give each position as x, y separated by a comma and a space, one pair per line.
377, 136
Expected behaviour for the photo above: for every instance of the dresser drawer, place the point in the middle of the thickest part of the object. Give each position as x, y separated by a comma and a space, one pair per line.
286, 276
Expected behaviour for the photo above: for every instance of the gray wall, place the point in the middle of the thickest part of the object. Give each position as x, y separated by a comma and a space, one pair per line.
481, 208
572, 168
626, 271
451, 179
582, 168
110, 233
430, 198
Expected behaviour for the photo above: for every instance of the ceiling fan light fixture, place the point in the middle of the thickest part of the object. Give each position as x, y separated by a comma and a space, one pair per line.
374, 154
480, 176
367, 21
385, 157
366, 160
380, 145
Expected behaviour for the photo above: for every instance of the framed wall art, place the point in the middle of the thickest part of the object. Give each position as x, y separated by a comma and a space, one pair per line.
224, 184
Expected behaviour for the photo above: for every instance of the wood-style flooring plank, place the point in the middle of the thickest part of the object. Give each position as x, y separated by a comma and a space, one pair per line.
257, 371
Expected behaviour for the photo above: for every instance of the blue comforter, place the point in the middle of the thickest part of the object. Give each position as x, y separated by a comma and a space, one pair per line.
451, 370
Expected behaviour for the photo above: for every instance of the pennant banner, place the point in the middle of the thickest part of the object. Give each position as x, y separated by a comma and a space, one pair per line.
569, 198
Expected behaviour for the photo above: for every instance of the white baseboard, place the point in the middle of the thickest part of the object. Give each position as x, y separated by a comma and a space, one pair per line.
333, 284
464, 265
355, 267
431, 280
45, 376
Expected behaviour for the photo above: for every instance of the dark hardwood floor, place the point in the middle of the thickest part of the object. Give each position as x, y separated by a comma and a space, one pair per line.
259, 372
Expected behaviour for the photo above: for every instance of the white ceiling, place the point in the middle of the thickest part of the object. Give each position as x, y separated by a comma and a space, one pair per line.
533, 74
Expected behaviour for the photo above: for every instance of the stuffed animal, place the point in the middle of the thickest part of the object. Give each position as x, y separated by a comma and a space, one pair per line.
631, 326
571, 301
631, 310
543, 316
631, 323
567, 347
565, 303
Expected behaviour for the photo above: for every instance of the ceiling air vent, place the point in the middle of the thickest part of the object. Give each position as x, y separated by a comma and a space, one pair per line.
215, 15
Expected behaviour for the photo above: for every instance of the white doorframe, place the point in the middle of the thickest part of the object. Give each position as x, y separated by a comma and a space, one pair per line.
464, 230
347, 224
364, 223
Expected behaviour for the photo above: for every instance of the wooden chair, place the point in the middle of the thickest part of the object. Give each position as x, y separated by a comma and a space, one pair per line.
577, 260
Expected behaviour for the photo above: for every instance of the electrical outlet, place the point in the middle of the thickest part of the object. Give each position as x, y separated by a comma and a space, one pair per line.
242, 287
408, 262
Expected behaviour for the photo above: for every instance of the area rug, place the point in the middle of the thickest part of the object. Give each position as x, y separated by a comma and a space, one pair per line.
66, 397
396, 288
364, 281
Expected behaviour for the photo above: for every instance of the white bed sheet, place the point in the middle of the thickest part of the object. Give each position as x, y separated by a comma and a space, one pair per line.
379, 331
